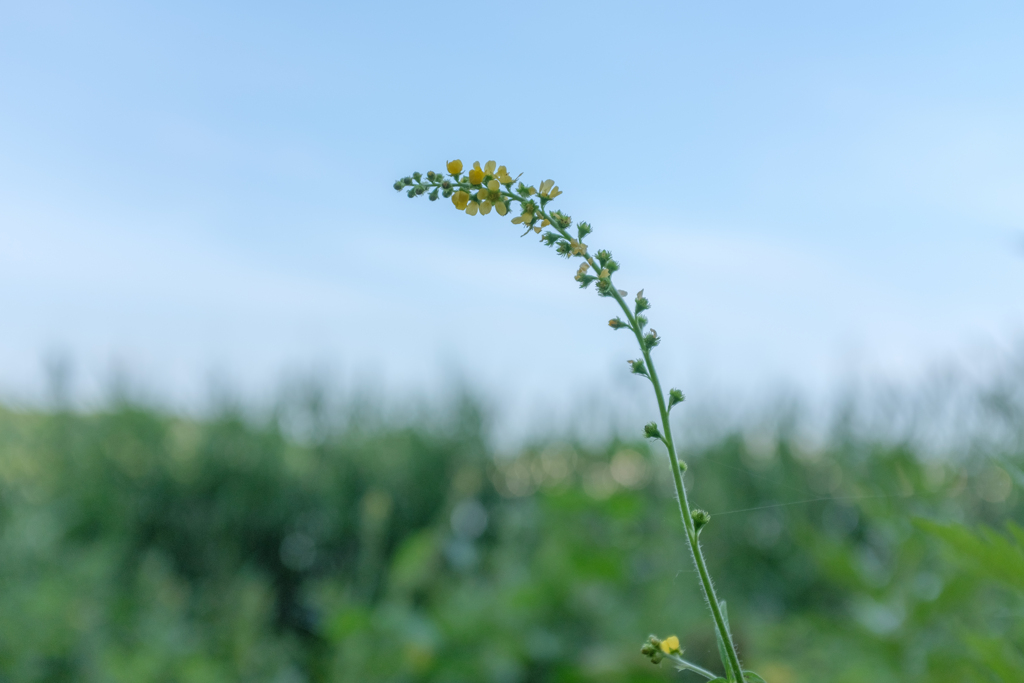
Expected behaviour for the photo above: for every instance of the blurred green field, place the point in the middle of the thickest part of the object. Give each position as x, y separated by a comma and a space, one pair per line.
136, 545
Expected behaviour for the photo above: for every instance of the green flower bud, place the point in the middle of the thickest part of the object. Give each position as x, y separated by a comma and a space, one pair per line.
430, 175
651, 430
638, 367
642, 304
675, 396
652, 649
700, 518
411, 193
399, 185
433, 195
416, 176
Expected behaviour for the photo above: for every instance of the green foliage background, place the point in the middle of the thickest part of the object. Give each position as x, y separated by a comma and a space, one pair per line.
136, 545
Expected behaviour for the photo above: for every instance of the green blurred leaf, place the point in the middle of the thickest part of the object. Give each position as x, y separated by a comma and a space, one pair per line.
985, 550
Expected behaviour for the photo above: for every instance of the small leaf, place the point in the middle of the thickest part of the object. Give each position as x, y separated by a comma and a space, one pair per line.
730, 676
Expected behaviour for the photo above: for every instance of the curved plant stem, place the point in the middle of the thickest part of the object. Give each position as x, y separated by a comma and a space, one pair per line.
677, 467
684, 506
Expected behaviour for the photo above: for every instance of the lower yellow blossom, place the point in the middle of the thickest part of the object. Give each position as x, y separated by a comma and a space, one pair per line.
460, 199
455, 167
670, 645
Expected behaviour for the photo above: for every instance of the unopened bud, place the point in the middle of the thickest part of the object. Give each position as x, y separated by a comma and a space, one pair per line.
700, 518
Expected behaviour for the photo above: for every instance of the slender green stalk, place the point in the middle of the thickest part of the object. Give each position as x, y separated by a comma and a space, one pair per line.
684, 506
491, 187
682, 664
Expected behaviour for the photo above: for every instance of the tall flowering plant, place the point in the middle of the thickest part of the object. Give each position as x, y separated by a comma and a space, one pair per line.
490, 187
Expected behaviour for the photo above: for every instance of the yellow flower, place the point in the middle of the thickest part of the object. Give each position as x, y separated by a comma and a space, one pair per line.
476, 174
603, 273
578, 248
670, 645
502, 175
455, 166
460, 199
489, 168
490, 196
549, 190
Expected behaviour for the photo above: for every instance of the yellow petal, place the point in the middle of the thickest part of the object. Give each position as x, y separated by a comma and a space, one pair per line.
670, 645
476, 165
546, 185
504, 179
555, 192
482, 194
460, 199
455, 166
528, 217
545, 223
472, 208
485, 207
536, 229
517, 220
493, 185
489, 167
501, 171
500, 208
476, 176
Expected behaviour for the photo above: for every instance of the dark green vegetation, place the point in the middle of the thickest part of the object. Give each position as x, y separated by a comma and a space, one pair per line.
140, 546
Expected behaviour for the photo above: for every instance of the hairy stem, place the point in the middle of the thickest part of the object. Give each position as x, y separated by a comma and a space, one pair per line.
677, 469
684, 506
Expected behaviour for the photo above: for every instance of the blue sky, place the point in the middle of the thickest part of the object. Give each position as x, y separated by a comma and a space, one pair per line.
808, 192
